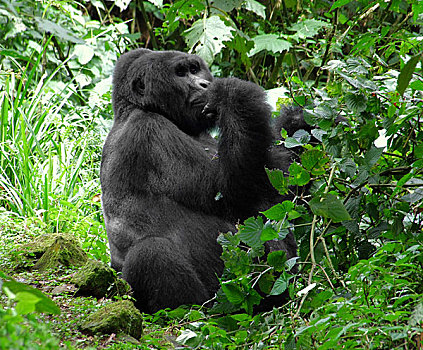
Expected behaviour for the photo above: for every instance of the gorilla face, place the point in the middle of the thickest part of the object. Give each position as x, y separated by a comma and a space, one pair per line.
173, 84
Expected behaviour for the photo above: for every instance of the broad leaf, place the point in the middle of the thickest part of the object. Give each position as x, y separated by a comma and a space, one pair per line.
252, 298
277, 260
269, 42
55, 29
314, 161
31, 298
407, 73
356, 102
226, 5
329, 207
122, 4
278, 211
188, 338
228, 240
417, 85
290, 142
256, 7
250, 232
298, 176
268, 233
207, 36
357, 66
372, 156
339, 3
308, 28
281, 284
278, 180
291, 263
84, 53
233, 293
26, 302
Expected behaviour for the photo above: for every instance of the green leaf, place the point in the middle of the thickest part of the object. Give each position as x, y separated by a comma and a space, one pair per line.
253, 298
281, 284
268, 233
407, 73
278, 211
356, 102
308, 28
314, 160
329, 206
256, 7
357, 66
233, 293
26, 302
372, 156
416, 85
28, 296
250, 232
278, 180
266, 282
84, 53
226, 5
228, 239
269, 42
298, 176
291, 263
417, 8
277, 259
53, 28
414, 196
339, 3
416, 317
299, 138
207, 36
195, 315
188, 338
290, 142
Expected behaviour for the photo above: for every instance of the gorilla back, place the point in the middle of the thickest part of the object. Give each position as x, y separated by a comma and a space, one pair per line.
168, 188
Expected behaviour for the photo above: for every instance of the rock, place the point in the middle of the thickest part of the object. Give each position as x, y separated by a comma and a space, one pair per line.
118, 317
64, 288
99, 280
56, 249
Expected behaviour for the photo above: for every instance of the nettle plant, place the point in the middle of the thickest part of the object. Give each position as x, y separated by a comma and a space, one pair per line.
364, 179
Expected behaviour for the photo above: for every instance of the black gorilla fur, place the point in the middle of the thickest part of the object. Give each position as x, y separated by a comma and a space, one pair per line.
169, 188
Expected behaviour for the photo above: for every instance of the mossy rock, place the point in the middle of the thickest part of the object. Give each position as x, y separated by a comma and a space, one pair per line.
56, 249
99, 280
119, 317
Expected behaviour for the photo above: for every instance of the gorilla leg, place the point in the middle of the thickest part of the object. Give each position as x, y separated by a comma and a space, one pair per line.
162, 276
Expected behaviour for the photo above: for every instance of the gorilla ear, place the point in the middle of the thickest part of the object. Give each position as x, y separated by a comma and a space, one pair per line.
138, 87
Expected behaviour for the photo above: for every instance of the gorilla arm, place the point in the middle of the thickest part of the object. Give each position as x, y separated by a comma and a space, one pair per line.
246, 136
232, 184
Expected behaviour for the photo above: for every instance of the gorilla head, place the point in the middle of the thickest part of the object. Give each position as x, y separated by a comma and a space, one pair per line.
170, 83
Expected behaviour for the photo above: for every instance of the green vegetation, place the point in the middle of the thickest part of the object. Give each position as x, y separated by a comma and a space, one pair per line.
359, 230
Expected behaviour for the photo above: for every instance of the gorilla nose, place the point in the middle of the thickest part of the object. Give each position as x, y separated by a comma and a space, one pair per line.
203, 83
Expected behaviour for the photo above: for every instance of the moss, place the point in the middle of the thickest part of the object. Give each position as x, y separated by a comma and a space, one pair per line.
45, 241
57, 249
119, 317
97, 279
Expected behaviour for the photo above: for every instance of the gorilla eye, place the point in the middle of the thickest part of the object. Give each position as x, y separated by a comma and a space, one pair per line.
181, 71
194, 69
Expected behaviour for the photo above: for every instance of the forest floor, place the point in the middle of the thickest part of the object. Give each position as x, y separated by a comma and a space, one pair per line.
56, 284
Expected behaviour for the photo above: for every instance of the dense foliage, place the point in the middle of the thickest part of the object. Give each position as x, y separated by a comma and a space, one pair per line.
360, 227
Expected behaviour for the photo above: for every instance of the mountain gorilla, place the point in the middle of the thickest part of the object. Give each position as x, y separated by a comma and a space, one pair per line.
168, 187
